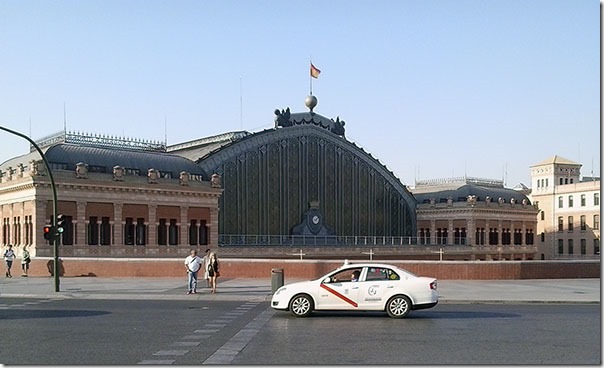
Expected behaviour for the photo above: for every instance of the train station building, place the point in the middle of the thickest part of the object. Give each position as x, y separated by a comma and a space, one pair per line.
301, 183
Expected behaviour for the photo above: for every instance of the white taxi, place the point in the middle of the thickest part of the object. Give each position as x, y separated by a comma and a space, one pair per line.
359, 286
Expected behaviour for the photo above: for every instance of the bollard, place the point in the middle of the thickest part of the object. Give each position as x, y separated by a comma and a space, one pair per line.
276, 279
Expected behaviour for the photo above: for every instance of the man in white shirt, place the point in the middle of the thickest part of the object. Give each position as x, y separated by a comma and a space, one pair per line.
193, 264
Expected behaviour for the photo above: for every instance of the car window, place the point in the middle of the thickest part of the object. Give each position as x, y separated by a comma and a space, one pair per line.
345, 275
381, 274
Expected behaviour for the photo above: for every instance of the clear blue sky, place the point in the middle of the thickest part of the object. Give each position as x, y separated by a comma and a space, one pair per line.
432, 89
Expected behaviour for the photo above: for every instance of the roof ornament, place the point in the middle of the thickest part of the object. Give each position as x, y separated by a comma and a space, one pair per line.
310, 102
282, 118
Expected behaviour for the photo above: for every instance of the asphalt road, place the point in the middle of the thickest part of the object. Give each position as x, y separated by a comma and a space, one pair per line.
193, 332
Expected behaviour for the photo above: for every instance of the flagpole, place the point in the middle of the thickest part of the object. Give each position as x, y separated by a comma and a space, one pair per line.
310, 78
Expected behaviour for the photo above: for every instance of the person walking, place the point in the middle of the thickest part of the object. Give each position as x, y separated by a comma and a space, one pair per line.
206, 262
192, 264
9, 257
25, 260
213, 271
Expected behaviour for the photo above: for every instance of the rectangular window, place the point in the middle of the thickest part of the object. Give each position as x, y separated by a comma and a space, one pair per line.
560, 202
68, 230
596, 222
129, 230
193, 232
105, 231
480, 236
542, 237
571, 223
530, 237
517, 237
571, 245
493, 236
173, 233
141, 231
570, 201
542, 215
596, 246
162, 232
596, 199
459, 236
583, 200
203, 233
583, 223
560, 223
560, 246
93, 231
505, 236
583, 246
427, 236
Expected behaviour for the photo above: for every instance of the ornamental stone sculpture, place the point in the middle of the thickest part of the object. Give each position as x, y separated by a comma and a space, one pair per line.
118, 173
81, 170
184, 178
215, 181
152, 176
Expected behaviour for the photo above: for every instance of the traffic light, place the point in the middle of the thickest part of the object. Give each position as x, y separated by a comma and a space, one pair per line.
60, 223
48, 233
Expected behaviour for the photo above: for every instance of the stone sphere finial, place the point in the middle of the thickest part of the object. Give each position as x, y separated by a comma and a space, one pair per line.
310, 102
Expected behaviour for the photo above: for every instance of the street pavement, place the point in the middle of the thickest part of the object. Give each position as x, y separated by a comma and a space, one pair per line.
259, 289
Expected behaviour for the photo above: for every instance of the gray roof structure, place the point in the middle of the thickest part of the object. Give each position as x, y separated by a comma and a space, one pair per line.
461, 194
104, 159
71, 154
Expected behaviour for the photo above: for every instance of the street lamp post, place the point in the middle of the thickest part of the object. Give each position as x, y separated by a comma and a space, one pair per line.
55, 240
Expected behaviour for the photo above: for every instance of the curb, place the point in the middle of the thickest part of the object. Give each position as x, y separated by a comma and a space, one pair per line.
267, 297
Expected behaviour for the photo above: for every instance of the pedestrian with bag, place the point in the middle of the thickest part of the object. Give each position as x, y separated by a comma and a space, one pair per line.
26, 259
206, 262
213, 270
192, 264
9, 257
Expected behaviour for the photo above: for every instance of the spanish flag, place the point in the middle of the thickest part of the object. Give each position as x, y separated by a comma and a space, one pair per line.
314, 72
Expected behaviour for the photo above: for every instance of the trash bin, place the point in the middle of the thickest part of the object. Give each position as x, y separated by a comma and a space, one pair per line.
276, 279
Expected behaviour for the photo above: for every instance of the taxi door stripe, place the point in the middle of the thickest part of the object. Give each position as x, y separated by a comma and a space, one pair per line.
347, 300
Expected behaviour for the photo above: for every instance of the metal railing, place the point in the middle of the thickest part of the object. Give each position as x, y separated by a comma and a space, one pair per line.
307, 240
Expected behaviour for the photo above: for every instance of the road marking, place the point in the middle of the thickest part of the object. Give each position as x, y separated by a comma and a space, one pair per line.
231, 348
171, 352
160, 362
227, 352
186, 343
217, 325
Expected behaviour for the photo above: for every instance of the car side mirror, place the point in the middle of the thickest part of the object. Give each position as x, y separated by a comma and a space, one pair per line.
327, 280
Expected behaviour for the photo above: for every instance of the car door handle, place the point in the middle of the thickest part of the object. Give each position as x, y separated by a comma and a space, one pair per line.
389, 287
354, 288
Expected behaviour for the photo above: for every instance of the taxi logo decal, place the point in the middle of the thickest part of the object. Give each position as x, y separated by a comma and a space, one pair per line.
347, 300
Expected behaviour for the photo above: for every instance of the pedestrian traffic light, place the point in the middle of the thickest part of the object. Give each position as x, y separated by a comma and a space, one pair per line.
60, 223
48, 233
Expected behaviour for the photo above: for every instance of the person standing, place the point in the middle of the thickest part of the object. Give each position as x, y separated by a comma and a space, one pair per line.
25, 262
9, 257
213, 271
206, 262
193, 264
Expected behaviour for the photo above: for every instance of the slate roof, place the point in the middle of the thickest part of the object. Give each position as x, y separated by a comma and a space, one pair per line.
70, 154
460, 194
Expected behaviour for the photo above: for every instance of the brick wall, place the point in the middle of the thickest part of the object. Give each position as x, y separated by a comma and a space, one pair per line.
310, 269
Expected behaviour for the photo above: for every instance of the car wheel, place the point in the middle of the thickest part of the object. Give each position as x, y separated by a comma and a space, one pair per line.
398, 306
301, 305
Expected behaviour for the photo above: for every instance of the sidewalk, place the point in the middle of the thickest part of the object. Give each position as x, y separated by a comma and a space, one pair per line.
170, 288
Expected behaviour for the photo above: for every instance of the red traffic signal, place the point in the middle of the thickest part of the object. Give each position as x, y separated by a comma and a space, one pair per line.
48, 233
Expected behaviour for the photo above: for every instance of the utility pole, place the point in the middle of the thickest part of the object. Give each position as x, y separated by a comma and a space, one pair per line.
55, 238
